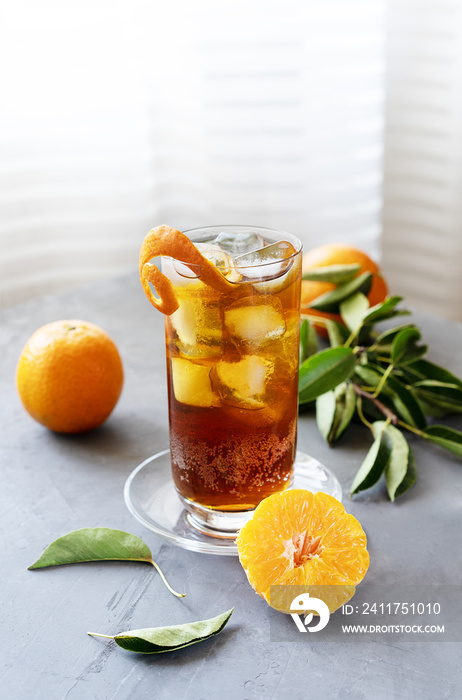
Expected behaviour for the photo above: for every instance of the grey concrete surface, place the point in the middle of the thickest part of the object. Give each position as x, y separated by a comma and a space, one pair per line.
52, 484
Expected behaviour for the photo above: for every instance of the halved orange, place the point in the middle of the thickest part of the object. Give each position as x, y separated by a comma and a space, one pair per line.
297, 538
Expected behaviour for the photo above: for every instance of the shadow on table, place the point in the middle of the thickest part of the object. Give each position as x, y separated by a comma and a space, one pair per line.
125, 438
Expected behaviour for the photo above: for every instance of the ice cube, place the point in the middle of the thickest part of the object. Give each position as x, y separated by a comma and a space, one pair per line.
192, 384
270, 414
239, 243
279, 251
269, 262
252, 323
187, 271
243, 383
284, 352
206, 235
213, 253
196, 326
223, 262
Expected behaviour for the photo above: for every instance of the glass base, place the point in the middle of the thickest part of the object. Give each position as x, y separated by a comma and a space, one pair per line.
151, 497
214, 523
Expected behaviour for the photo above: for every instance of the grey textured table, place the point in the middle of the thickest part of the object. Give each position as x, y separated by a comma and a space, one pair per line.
52, 484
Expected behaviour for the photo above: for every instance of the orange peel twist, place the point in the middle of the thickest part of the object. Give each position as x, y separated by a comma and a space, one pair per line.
164, 240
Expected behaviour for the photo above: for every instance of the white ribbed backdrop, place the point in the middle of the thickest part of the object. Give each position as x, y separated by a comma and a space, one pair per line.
422, 221
117, 116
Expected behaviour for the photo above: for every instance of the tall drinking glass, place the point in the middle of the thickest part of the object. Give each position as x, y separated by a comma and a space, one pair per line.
232, 365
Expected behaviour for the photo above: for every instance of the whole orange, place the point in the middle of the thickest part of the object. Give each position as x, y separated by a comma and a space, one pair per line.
338, 254
69, 376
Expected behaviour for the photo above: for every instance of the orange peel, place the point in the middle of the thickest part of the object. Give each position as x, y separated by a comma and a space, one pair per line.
167, 241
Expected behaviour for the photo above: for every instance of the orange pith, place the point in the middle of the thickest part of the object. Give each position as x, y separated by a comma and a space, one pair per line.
338, 254
164, 240
305, 548
297, 538
69, 376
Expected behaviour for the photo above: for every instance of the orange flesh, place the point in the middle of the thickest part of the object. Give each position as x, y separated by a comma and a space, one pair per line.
303, 539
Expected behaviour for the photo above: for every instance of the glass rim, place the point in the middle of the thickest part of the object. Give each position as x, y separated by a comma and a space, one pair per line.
284, 236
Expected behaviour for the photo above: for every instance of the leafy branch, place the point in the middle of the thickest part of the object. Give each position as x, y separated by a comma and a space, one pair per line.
381, 379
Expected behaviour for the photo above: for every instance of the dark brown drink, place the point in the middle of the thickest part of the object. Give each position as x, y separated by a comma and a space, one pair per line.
232, 363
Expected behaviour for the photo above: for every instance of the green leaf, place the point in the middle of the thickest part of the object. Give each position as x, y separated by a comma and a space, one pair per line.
383, 311
158, 640
308, 340
400, 471
432, 410
445, 437
332, 273
331, 301
409, 374
337, 332
93, 544
334, 411
353, 310
431, 404
402, 400
370, 411
370, 375
447, 396
405, 404
325, 413
424, 369
421, 370
404, 349
375, 462
422, 375
345, 398
323, 371
409, 478
363, 336
384, 340
356, 312
391, 455
97, 544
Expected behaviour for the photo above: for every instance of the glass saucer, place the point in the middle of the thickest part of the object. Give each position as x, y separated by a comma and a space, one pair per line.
151, 497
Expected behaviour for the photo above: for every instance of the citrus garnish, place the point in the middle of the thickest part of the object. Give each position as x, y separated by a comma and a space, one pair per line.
337, 254
297, 538
69, 376
164, 240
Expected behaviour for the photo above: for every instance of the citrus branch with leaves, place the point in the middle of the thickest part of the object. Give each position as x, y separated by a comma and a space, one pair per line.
381, 379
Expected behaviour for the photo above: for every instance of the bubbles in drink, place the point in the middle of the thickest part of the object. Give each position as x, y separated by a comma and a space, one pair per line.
252, 323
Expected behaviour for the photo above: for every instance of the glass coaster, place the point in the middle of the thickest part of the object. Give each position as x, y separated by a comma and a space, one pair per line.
150, 496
